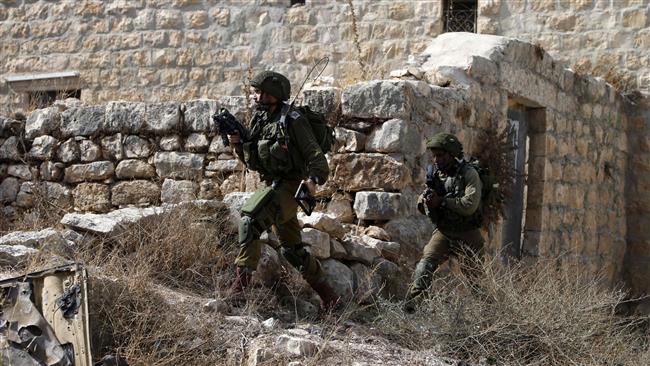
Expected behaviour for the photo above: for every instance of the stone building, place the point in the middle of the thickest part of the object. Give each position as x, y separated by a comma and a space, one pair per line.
182, 49
584, 141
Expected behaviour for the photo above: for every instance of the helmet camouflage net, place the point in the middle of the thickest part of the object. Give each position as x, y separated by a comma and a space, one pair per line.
272, 83
448, 143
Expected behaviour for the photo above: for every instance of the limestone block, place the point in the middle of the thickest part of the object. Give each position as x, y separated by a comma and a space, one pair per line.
82, 121
358, 250
42, 122
217, 146
69, 151
134, 169
198, 115
392, 278
323, 222
323, 99
318, 241
413, 230
377, 233
136, 147
12, 255
57, 194
112, 223
357, 172
377, 205
337, 250
232, 184
377, 99
112, 148
43, 148
169, 19
26, 195
236, 200
162, 118
395, 135
50, 171
32, 239
197, 19
340, 277
135, 192
89, 151
21, 171
225, 166
296, 345
635, 18
209, 189
489, 7
170, 143
9, 149
340, 207
388, 249
9, 190
349, 140
221, 16
99, 170
125, 117
197, 142
367, 283
175, 191
93, 197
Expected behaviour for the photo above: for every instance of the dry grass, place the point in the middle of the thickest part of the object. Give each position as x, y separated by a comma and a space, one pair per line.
544, 314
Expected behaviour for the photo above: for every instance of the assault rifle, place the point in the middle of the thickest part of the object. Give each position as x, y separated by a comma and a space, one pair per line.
227, 124
304, 198
433, 184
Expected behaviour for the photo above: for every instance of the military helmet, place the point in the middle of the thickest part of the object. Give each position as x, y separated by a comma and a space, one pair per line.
446, 142
273, 83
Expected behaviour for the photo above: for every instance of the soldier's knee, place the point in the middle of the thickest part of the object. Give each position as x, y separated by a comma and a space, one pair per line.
248, 230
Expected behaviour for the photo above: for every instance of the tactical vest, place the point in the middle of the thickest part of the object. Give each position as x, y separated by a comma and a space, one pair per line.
454, 186
267, 153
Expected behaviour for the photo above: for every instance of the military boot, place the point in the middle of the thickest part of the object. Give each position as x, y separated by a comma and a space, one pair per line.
242, 280
326, 293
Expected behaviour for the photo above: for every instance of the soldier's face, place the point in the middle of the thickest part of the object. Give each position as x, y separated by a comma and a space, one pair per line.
441, 158
264, 100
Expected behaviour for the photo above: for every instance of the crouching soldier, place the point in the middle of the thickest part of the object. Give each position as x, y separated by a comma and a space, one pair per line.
282, 148
451, 201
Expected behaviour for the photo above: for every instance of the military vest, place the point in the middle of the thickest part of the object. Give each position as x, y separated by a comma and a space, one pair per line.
453, 186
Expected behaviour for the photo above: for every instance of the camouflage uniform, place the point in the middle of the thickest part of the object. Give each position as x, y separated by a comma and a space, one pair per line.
455, 219
283, 154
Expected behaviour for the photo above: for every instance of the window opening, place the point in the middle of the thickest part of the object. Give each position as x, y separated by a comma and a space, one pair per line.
460, 15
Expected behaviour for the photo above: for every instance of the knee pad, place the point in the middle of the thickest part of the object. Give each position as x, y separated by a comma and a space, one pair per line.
248, 231
295, 255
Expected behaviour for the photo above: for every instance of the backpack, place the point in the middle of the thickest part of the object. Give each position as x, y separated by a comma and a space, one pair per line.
323, 132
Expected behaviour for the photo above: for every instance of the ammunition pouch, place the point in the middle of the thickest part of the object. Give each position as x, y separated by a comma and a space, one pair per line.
257, 215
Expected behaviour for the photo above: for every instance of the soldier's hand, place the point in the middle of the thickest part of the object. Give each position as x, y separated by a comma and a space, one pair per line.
234, 139
311, 185
433, 200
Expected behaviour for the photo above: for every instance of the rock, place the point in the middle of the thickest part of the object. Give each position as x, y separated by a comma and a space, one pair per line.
170, 143
92, 197
217, 306
358, 172
270, 323
323, 99
11, 255
209, 189
96, 171
393, 279
57, 194
413, 230
125, 117
135, 192
412, 73
69, 151
82, 121
112, 148
50, 171
382, 99
31, 239
247, 321
162, 118
9, 149
26, 195
42, 122
318, 241
337, 250
198, 115
232, 184
340, 277
43, 148
136, 147
178, 165
395, 136
20, 171
175, 191
322, 222
217, 146
388, 249
89, 151
340, 207
367, 284
134, 169
349, 140
111, 223
377, 233
197, 142
358, 250
269, 268
225, 166
296, 346
235, 201
376, 205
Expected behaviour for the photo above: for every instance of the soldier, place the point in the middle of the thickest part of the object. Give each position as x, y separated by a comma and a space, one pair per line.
285, 153
452, 203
